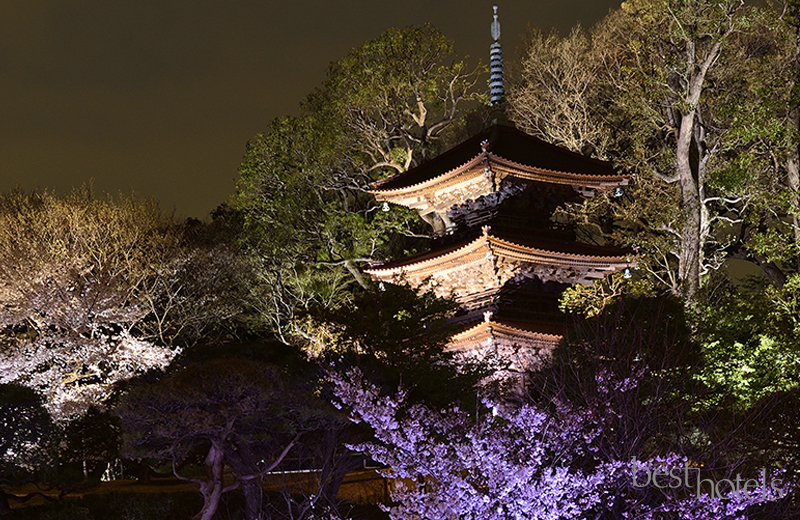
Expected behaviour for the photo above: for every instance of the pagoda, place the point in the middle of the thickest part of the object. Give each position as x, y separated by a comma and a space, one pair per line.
496, 249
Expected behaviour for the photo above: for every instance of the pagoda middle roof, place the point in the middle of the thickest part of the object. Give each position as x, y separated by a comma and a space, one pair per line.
534, 244
506, 142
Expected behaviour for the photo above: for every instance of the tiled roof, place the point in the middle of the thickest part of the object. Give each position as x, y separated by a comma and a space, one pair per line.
531, 331
550, 247
532, 306
508, 143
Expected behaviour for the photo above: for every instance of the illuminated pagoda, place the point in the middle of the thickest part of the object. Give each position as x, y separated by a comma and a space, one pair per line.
496, 249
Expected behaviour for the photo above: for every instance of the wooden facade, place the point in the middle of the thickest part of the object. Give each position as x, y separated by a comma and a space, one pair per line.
497, 249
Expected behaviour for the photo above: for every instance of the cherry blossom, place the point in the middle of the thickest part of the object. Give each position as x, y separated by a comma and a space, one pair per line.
519, 462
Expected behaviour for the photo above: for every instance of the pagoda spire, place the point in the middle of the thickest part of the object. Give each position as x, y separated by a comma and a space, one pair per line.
496, 80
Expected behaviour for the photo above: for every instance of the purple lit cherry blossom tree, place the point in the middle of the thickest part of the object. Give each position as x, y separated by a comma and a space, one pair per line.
619, 389
520, 463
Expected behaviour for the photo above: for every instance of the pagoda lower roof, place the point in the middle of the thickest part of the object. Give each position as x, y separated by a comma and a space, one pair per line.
523, 343
526, 329
521, 323
505, 151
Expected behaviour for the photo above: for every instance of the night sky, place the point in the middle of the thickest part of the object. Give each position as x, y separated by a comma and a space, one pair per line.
160, 97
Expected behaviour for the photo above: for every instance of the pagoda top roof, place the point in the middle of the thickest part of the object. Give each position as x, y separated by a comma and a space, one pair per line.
511, 144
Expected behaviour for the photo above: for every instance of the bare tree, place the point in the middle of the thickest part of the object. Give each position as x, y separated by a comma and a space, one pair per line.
69, 273
557, 95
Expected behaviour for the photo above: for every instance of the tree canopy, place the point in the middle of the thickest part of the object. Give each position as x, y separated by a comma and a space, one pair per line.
98, 290
303, 187
240, 413
694, 97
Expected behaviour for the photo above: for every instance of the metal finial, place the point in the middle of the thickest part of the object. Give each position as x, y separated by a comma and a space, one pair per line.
496, 83
495, 25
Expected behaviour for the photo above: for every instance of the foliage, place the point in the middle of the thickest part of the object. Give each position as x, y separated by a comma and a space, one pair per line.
396, 94
695, 99
25, 428
92, 440
751, 367
749, 339
239, 413
303, 194
199, 295
397, 337
562, 75
26, 434
619, 389
590, 300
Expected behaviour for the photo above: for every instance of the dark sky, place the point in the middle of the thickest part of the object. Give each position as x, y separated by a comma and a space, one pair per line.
160, 97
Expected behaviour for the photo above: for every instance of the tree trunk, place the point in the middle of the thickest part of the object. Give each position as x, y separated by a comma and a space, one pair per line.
793, 180
143, 471
242, 461
693, 231
793, 164
211, 489
253, 495
5, 506
691, 247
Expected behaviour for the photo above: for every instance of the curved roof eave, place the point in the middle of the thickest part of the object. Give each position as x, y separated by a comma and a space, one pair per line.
431, 258
505, 143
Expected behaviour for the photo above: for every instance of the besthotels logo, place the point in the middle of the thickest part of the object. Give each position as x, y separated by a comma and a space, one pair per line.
664, 477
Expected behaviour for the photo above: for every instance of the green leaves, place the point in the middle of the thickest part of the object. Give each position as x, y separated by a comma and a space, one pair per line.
303, 188
397, 338
695, 98
394, 96
750, 342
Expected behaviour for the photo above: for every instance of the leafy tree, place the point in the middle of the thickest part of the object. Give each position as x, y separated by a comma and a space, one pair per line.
618, 389
239, 413
25, 439
752, 368
693, 97
93, 440
302, 193
397, 337
396, 96
200, 293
